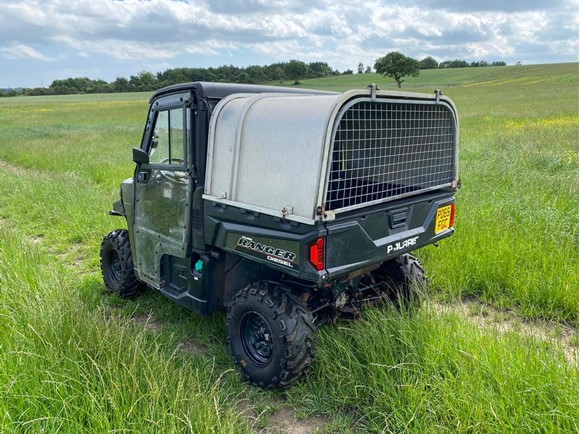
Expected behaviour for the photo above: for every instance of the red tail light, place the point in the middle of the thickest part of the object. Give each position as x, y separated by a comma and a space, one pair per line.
316, 254
452, 217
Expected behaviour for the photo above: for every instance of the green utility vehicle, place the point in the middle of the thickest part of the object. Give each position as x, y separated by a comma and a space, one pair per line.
289, 208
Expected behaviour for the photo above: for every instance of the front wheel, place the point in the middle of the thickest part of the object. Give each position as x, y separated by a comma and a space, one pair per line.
117, 264
271, 335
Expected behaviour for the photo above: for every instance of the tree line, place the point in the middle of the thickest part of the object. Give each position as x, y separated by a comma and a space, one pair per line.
430, 63
146, 81
294, 70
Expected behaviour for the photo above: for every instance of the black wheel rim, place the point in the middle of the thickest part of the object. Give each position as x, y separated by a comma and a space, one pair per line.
256, 338
114, 265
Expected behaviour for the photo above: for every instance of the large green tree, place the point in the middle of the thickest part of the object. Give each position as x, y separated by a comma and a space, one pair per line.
397, 66
429, 63
295, 70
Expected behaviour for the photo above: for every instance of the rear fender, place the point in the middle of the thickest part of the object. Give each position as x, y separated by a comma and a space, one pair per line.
282, 250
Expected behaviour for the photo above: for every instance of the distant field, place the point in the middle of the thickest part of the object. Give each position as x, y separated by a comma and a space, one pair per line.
532, 75
73, 359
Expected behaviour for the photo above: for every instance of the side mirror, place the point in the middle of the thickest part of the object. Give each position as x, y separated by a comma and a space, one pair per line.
140, 156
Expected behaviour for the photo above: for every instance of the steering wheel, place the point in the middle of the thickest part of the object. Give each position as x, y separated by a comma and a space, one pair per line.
170, 175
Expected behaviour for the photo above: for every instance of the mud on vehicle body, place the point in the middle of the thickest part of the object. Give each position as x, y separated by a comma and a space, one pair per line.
289, 208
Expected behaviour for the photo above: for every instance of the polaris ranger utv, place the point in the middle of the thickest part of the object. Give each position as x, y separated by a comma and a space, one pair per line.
289, 208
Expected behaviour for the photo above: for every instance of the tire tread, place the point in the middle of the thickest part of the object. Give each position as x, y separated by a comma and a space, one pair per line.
128, 286
292, 324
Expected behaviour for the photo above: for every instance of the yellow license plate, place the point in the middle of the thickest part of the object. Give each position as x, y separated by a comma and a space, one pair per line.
443, 219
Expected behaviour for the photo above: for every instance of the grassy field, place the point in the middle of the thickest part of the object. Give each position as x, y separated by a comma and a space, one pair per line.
73, 359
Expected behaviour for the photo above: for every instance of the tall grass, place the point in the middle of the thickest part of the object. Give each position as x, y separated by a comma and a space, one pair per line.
67, 367
517, 226
433, 373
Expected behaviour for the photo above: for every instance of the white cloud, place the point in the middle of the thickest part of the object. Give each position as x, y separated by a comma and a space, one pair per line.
134, 33
21, 51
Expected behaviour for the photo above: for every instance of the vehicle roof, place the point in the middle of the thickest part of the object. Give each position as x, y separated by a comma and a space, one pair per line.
220, 90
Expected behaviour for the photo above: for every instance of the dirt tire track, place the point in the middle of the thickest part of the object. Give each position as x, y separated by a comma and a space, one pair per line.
488, 317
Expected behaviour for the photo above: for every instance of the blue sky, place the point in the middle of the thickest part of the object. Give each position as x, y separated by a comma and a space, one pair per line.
44, 40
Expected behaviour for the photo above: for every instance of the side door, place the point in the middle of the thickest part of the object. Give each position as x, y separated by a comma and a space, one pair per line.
163, 186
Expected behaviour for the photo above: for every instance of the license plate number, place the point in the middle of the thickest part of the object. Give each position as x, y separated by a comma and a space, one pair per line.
442, 219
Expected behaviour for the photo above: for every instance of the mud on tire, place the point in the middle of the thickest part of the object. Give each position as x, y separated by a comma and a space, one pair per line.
117, 265
271, 335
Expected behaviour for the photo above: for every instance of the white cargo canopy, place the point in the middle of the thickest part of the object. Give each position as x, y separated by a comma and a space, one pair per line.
269, 152
266, 152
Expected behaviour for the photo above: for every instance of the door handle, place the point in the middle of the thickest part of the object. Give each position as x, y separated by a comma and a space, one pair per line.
143, 177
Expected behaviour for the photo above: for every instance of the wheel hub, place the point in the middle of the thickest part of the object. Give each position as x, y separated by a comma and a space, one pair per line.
114, 266
256, 338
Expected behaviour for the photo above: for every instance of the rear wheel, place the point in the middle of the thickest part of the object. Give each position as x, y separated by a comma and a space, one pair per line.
271, 335
405, 280
117, 264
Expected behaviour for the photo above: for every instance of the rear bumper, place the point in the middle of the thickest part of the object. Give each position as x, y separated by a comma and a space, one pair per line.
371, 238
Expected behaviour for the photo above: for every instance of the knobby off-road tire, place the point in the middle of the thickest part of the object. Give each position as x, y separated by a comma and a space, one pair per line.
271, 335
405, 280
117, 265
